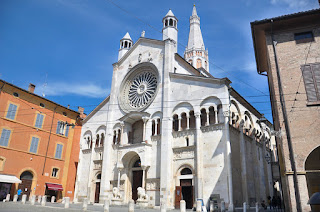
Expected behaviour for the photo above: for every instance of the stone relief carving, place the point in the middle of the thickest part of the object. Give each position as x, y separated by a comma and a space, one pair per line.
153, 184
183, 154
212, 127
139, 57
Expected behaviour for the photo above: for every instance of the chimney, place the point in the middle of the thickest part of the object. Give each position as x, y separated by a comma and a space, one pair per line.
31, 88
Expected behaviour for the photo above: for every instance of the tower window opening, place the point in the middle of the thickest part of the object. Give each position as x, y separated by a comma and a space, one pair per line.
192, 120
166, 22
203, 117
97, 140
184, 121
199, 63
125, 44
212, 115
170, 22
187, 141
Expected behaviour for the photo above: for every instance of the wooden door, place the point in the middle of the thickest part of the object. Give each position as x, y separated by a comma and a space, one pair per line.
97, 193
25, 187
178, 196
136, 182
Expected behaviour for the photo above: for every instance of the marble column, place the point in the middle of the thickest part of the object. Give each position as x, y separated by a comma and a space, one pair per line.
243, 154
216, 115
122, 128
143, 176
198, 156
119, 178
145, 119
187, 116
208, 117
229, 160
179, 127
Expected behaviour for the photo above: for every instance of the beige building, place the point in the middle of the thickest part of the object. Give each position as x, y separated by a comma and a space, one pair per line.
287, 50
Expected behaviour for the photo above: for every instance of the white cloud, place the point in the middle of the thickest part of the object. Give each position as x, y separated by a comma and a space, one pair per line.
295, 3
79, 89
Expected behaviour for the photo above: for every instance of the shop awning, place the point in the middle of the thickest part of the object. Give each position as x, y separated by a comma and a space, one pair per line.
55, 187
9, 179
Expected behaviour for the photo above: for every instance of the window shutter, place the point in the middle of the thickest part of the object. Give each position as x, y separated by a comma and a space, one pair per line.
34, 144
316, 74
67, 131
58, 127
5, 135
11, 113
39, 120
309, 83
58, 151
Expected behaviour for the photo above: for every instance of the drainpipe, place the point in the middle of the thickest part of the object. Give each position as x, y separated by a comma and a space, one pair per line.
286, 124
45, 157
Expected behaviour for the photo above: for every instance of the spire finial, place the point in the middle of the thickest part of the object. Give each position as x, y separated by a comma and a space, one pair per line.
194, 10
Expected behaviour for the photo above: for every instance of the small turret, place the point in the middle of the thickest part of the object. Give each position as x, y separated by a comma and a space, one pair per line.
170, 30
125, 44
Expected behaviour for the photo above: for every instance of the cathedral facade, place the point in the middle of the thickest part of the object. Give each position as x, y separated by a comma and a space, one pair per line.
170, 131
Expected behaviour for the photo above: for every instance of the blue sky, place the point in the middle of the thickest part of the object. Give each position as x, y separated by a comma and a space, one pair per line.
72, 44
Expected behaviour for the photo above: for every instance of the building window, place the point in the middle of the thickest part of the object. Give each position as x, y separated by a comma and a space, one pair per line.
5, 136
199, 63
58, 154
311, 77
12, 110
158, 126
203, 117
175, 123
34, 145
62, 128
55, 173
39, 120
42, 105
303, 37
15, 94
153, 128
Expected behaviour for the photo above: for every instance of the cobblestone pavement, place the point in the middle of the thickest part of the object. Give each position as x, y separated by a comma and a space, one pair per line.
50, 207
53, 207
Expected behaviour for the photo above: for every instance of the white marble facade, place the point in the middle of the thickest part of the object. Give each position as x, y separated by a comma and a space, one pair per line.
172, 129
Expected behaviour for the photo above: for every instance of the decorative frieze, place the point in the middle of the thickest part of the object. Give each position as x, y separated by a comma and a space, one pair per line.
182, 153
97, 164
212, 127
86, 151
153, 184
183, 133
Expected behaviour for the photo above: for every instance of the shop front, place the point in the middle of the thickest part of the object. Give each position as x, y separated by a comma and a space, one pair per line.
53, 190
6, 182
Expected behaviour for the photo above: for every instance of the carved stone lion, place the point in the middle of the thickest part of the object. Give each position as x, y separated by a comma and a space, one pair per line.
115, 193
142, 194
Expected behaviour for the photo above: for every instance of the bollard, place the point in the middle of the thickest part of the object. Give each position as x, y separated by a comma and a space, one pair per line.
39, 199
8, 198
24, 199
63, 200
33, 200
244, 207
53, 199
85, 204
106, 205
257, 207
223, 206
199, 205
163, 206
182, 206
131, 205
67, 202
43, 200
211, 206
15, 198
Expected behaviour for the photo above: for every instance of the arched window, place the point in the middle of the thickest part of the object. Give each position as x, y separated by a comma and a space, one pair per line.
153, 127
170, 22
192, 120
175, 123
99, 177
125, 44
97, 140
119, 136
137, 163
187, 141
199, 63
203, 117
90, 142
102, 139
26, 175
114, 137
166, 22
219, 110
186, 171
158, 126
212, 118
184, 121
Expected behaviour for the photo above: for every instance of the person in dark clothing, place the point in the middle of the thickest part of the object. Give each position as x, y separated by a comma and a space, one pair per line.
269, 201
279, 202
274, 202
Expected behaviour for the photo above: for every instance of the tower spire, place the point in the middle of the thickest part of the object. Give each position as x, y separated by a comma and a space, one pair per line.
196, 53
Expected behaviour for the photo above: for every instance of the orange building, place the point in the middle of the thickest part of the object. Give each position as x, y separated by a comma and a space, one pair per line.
39, 144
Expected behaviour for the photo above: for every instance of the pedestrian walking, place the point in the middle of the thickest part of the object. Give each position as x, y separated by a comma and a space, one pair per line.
274, 202
269, 202
279, 202
19, 194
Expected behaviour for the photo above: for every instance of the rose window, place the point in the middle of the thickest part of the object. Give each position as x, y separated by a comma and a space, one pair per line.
138, 89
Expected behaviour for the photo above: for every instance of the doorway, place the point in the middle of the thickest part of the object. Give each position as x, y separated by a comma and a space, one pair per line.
97, 193
26, 182
136, 183
185, 190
